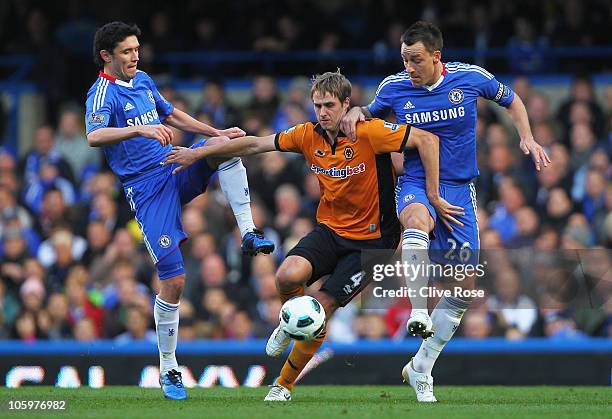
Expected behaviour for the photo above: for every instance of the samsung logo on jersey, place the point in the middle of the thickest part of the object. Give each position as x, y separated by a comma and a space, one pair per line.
144, 119
435, 116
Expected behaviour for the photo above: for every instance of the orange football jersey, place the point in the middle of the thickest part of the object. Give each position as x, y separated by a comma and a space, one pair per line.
356, 179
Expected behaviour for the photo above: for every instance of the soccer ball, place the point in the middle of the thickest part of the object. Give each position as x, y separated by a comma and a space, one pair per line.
302, 318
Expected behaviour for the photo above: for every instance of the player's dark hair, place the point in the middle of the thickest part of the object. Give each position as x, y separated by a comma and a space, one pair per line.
427, 33
108, 36
331, 82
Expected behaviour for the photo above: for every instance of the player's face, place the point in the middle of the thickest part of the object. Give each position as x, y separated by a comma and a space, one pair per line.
124, 59
420, 63
329, 109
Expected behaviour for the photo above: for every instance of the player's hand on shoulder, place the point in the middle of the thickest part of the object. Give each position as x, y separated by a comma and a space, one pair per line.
446, 211
182, 156
537, 152
348, 124
158, 132
233, 132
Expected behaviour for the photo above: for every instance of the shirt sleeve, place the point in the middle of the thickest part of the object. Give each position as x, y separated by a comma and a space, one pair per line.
164, 108
380, 107
384, 136
98, 108
291, 139
489, 88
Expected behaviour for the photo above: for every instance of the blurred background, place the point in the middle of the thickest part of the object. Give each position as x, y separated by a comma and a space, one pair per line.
72, 262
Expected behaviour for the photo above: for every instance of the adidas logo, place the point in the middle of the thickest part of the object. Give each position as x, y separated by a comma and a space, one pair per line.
128, 107
409, 105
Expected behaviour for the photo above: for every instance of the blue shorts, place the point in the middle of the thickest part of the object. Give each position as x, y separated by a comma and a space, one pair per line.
156, 199
462, 245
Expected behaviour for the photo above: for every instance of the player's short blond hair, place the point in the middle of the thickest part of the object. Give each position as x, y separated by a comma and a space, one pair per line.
331, 82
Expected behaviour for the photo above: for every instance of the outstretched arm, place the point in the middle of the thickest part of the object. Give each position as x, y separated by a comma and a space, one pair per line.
185, 122
111, 135
518, 113
243, 146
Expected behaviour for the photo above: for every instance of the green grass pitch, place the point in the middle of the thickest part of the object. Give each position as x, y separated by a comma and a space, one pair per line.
327, 402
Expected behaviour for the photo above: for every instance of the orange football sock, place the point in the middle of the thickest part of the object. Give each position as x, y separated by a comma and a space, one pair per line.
301, 353
287, 295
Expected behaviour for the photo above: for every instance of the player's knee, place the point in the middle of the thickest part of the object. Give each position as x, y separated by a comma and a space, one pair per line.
416, 217
171, 289
417, 221
289, 276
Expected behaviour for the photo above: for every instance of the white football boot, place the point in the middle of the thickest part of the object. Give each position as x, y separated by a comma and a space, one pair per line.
420, 324
278, 393
277, 343
421, 383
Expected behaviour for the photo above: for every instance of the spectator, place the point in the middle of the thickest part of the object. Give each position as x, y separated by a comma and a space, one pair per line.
43, 149
137, 325
81, 306
582, 91
517, 311
476, 325
503, 219
59, 327
70, 141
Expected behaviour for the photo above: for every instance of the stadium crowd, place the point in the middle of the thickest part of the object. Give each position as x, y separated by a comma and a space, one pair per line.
59, 35
73, 265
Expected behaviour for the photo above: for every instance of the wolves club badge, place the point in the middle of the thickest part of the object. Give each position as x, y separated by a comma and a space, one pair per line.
349, 153
319, 153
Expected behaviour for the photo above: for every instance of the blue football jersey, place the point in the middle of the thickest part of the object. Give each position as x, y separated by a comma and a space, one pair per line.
447, 109
116, 103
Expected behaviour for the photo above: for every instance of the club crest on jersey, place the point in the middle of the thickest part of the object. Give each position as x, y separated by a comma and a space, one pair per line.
150, 96
96, 118
319, 153
455, 96
165, 241
349, 153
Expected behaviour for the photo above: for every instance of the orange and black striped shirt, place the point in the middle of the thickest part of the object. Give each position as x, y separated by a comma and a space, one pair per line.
356, 179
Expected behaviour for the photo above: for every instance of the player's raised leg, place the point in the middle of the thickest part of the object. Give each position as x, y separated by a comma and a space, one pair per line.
235, 187
301, 353
166, 313
417, 223
290, 279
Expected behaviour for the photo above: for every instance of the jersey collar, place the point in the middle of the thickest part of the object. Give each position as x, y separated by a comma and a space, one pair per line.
116, 80
440, 80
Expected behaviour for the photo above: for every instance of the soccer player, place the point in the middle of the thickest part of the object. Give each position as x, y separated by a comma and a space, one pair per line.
440, 98
124, 111
355, 211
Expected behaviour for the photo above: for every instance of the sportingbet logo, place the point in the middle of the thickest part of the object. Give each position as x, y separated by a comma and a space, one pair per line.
144, 119
339, 173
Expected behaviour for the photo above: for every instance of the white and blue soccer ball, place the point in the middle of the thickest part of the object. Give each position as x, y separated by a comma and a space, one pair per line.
302, 318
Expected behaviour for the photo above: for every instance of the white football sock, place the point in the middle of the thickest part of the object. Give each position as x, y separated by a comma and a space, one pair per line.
166, 324
446, 317
235, 187
415, 245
